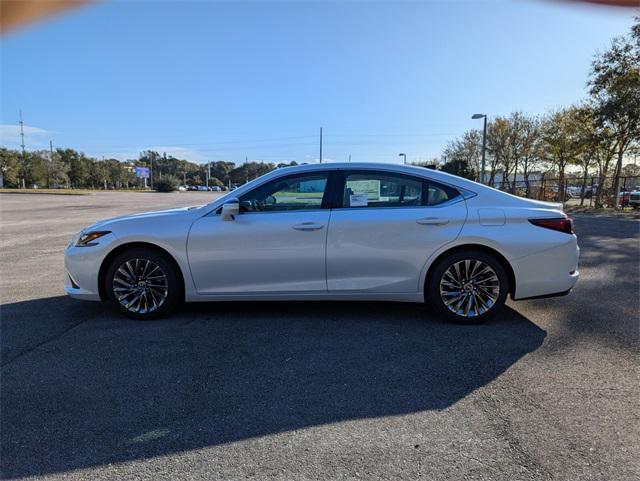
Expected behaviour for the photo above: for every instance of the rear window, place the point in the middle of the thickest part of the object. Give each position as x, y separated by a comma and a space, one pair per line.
438, 194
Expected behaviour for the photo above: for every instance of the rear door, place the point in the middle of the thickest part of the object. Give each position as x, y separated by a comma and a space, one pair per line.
387, 226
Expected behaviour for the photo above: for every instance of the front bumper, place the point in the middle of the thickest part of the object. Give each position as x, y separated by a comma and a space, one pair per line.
82, 266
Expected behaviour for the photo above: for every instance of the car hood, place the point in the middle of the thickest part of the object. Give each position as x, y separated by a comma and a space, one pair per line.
104, 223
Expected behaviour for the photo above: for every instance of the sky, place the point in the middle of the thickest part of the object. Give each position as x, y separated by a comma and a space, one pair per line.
212, 80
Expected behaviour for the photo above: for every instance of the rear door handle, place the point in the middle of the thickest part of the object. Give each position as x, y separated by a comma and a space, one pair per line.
308, 226
433, 221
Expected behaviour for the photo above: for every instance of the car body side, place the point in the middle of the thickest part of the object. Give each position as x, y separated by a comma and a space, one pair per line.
540, 261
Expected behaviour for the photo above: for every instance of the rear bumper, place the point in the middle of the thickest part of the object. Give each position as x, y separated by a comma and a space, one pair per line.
549, 273
546, 296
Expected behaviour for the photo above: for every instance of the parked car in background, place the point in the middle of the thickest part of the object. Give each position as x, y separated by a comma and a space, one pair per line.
202, 188
623, 198
634, 199
574, 191
368, 232
182, 188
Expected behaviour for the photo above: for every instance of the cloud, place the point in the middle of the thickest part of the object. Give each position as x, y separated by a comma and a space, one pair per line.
178, 152
34, 137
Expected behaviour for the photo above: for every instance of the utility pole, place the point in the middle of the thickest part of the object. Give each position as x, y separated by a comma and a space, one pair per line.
208, 172
484, 150
22, 133
484, 144
349, 158
150, 171
104, 179
50, 164
24, 158
320, 144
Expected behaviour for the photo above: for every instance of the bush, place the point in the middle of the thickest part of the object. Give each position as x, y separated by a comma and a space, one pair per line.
167, 184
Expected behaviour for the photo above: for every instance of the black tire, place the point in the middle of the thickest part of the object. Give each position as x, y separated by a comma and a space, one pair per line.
476, 314
171, 287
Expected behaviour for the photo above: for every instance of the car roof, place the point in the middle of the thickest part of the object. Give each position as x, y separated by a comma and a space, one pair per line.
436, 175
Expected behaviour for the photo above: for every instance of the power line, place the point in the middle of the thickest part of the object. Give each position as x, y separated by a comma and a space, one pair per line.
189, 144
441, 134
263, 140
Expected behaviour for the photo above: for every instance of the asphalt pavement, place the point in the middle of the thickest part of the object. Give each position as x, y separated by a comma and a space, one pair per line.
337, 390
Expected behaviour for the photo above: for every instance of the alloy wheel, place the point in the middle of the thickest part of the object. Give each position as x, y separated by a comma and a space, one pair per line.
140, 285
469, 288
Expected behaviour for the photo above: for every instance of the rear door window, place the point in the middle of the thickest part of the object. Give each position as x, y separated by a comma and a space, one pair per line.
381, 189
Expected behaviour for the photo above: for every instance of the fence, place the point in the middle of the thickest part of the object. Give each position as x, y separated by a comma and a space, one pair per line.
577, 190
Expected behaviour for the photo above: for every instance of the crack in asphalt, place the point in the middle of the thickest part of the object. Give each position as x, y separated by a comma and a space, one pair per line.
33, 347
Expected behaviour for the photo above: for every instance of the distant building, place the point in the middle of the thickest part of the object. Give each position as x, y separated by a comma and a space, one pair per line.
534, 177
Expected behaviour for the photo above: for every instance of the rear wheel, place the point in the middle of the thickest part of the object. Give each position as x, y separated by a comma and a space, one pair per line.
468, 287
143, 284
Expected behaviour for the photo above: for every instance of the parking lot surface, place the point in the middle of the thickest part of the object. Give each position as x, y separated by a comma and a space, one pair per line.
548, 390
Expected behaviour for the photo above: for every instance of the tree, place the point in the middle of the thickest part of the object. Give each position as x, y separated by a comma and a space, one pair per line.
605, 147
587, 138
458, 167
498, 133
532, 149
458, 157
150, 158
36, 168
221, 170
562, 143
287, 164
168, 183
58, 176
631, 170
462, 156
249, 171
515, 151
10, 166
614, 86
215, 182
77, 166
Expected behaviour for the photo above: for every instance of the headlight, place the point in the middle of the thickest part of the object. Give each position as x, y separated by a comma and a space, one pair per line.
87, 238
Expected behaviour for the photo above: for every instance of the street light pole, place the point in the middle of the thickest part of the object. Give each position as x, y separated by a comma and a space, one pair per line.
484, 143
404, 158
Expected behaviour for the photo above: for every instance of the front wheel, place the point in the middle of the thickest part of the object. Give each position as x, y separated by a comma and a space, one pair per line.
467, 287
143, 284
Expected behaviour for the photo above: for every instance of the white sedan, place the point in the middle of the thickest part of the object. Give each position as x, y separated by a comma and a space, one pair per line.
368, 232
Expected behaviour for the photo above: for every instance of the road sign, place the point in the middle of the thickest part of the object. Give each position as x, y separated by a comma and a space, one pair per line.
142, 172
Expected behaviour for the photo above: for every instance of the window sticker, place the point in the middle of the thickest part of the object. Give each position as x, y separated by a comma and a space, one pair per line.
358, 200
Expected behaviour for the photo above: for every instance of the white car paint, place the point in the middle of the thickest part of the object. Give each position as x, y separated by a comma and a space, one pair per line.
368, 253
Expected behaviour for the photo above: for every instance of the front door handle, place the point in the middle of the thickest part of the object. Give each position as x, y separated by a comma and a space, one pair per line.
433, 221
308, 226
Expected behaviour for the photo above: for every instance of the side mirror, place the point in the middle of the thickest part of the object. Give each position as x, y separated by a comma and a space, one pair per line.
230, 209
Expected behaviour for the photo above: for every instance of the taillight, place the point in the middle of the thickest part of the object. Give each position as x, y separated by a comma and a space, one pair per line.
561, 224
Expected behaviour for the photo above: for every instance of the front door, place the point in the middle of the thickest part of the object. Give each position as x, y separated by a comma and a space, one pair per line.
276, 244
